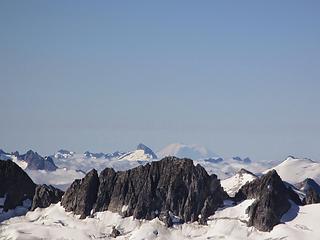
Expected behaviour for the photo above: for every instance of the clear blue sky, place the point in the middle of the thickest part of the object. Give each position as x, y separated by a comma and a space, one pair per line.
240, 77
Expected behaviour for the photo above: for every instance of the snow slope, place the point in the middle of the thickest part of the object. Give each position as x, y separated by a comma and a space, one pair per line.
20, 163
295, 170
227, 223
233, 184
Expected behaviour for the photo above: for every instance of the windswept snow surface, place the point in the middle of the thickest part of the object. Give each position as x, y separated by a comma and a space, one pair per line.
295, 170
229, 223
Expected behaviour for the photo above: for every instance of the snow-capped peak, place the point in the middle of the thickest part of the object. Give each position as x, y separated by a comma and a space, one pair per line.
147, 150
143, 153
233, 184
62, 153
295, 170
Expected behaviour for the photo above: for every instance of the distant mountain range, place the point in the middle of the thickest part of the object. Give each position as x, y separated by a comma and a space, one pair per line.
158, 199
30, 160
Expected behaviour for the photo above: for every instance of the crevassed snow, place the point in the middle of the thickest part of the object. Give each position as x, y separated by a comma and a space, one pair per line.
295, 170
233, 184
229, 223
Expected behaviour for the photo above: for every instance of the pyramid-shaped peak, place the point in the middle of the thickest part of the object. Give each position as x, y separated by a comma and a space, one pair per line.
146, 150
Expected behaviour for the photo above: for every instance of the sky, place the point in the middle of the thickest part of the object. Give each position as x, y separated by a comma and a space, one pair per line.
239, 77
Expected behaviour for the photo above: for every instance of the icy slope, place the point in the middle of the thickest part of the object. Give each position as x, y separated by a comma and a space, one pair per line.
295, 170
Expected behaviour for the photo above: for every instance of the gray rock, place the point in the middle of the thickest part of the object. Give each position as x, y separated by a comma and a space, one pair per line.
115, 232
311, 189
37, 162
15, 184
272, 200
312, 196
172, 184
82, 194
45, 195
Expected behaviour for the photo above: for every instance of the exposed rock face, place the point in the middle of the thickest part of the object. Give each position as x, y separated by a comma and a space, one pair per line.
115, 232
311, 189
244, 160
213, 160
171, 186
82, 194
15, 185
312, 196
45, 195
272, 200
36, 162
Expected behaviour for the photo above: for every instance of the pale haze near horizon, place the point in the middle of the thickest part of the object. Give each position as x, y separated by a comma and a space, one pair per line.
241, 78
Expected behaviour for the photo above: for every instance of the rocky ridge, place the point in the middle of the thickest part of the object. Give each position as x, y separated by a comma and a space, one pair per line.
166, 188
272, 200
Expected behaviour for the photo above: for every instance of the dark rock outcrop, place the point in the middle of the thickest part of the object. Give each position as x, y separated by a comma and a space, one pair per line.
311, 189
272, 200
15, 185
239, 159
45, 195
37, 162
171, 185
312, 196
213, 160
82, 194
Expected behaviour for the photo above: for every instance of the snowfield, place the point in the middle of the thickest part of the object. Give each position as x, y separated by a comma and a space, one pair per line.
233, 184
295, 170
228, 223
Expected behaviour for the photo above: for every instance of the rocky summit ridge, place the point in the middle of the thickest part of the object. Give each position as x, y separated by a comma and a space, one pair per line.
169, 187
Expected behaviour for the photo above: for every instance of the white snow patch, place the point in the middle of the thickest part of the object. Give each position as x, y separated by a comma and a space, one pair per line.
294, 170
124, 208
233, 184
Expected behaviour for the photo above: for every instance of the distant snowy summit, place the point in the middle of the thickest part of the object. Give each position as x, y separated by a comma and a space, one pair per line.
142, 153
30, 160
294, 170
195, 152
63, 154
